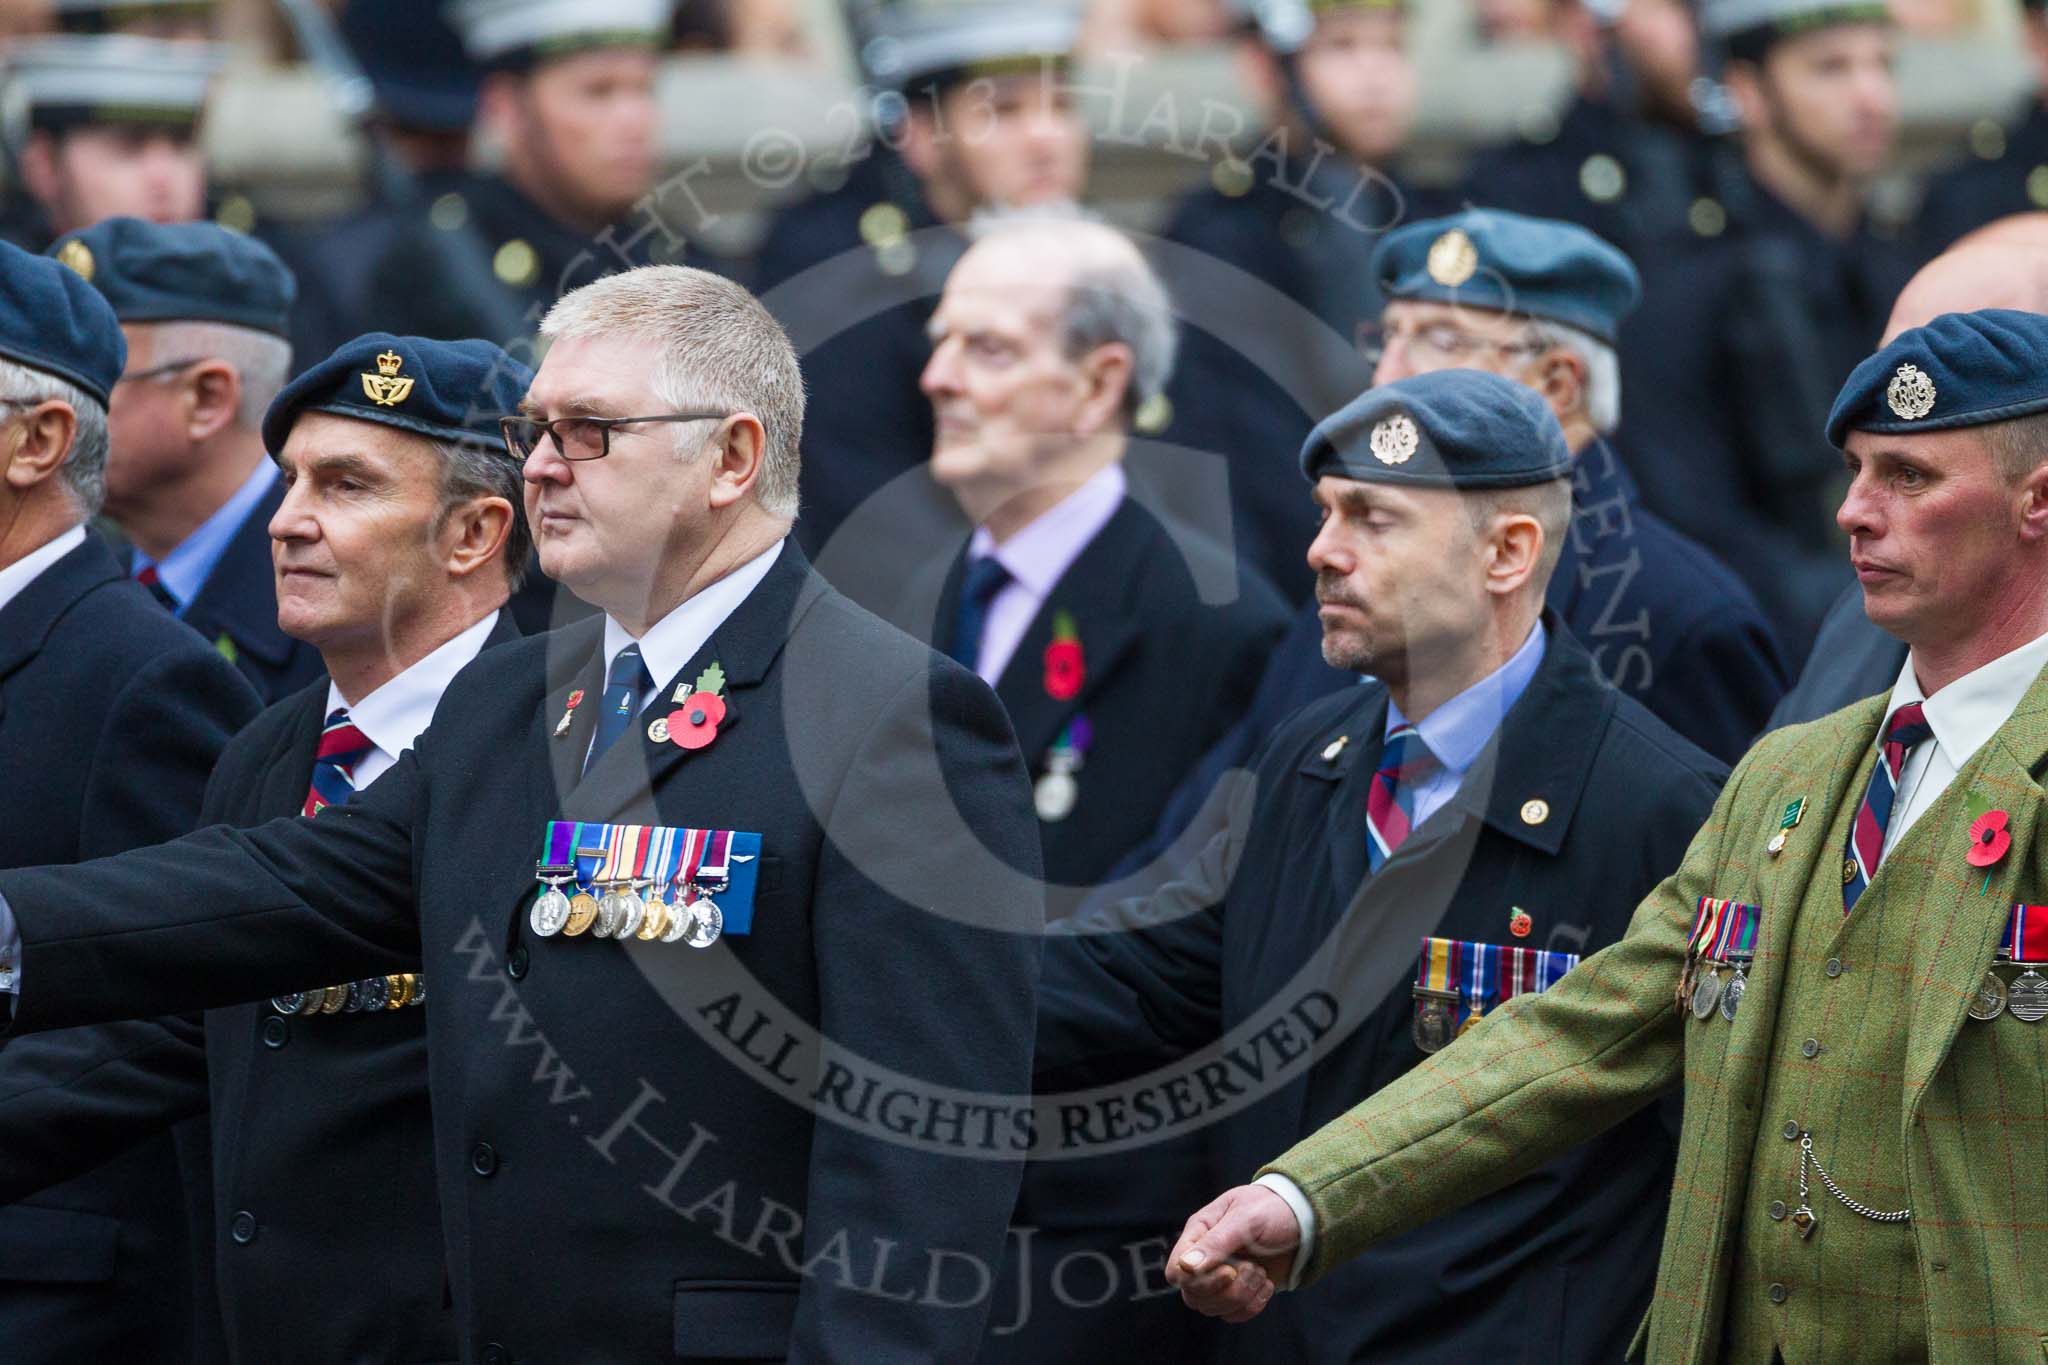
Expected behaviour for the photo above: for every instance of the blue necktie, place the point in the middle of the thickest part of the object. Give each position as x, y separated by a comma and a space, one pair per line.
624, 686
985, 577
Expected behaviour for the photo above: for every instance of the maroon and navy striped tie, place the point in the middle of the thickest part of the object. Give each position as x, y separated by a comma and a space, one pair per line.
342, 746
1906, 730
1390, 805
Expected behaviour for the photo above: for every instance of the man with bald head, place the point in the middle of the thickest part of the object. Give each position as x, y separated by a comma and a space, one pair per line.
1997, 266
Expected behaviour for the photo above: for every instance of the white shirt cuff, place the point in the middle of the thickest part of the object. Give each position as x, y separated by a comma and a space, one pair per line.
1296, 1201
10, 952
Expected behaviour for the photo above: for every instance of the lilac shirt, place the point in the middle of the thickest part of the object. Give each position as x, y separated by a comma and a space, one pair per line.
1037, 557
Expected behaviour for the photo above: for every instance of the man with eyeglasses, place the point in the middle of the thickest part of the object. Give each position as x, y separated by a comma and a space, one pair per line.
206, 312
111, 717
751, 1105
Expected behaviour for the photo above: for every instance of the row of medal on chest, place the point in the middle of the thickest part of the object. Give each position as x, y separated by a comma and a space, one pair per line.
396, 992
626, 910
2022, 993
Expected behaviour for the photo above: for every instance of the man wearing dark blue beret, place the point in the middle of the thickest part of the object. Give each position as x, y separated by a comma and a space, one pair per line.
728, 898
112, 715
206, 313
1841, 977
322, 1151
1485, 794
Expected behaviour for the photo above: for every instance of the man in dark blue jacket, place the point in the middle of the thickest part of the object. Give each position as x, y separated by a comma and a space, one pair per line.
111, 717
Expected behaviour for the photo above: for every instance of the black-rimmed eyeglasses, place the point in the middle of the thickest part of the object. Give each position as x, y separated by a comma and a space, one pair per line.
582, 438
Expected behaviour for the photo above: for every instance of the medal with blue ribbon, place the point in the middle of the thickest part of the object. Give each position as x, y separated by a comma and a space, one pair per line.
1457, 982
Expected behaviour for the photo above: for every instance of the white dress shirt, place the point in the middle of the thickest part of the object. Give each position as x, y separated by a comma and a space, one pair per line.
15, 578
393, 716
670, 643
1037, 558
1963, 716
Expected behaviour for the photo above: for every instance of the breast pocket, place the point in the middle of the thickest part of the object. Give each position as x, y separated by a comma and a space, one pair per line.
734, 1319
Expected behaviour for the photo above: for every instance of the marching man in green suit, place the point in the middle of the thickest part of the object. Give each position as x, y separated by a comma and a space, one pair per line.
1846, 974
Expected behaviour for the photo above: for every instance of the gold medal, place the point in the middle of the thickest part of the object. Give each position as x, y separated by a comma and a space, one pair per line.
657, 729
401, 990
656, 922
582, 913
337, 996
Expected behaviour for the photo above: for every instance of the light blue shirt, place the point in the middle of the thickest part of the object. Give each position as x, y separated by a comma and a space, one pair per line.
184, 571
1459, 731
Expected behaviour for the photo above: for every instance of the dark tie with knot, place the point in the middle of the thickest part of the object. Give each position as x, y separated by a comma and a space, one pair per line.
624, 686
985, 577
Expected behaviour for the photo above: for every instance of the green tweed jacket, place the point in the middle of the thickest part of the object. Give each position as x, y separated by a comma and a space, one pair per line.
1550, 1070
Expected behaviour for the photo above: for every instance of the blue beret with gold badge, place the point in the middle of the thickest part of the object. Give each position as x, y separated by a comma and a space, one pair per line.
182, 272
1960, 370
1510, 263
452, 391
1466, 429
52, 320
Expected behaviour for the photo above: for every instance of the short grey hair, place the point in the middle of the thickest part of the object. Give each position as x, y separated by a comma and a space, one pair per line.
1549, 502
85, 470
716, 347
1114, 296
469, 472
261, 360
1602, 365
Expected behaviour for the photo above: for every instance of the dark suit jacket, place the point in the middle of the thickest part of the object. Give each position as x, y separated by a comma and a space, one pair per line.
320, 1132
630, 1154
1283, 939
236, 610
1165, 674
111, 716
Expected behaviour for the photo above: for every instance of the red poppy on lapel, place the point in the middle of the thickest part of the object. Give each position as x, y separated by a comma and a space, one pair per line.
1066, 670
1989, 839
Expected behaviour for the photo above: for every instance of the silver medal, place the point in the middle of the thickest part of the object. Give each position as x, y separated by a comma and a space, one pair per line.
376, 993
1989, 1001
288, 1004
1706, 993
611, 913
705, 923
550, 912
632, 913
1432, 1019
1731, 998
2027, 997
1055, 795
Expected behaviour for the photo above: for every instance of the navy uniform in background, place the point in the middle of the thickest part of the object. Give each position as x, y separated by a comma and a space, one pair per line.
1300, 922
2007, 173
219, 579
320, 1130
112, 715
1742, 340
1266, 357
854, 273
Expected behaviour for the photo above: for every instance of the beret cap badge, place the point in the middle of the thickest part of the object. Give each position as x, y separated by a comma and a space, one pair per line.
78, 256
387, 388
1395, 440
1452, 259
1911, 393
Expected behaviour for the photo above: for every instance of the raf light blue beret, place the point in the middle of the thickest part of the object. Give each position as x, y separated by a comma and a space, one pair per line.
52, 320
182, 272
451, 391
1510, 263
1466, 429
1960, 370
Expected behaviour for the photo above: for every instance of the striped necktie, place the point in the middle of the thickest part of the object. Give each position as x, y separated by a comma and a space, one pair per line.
1906, 729
342, 746
1390, 805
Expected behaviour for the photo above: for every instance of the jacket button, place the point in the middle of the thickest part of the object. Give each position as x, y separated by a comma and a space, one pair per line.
1778, 1210
1779, 1293
1791, 1130
1810, 1048
517, 962
276, 1032
494, 1354
483, 1159
243, 1227
1834, 967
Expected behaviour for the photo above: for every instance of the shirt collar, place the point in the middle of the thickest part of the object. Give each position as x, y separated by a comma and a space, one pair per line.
1040, 555
1969, 710
184, 571
1459, 731
393, 716
15, 578
670, 643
